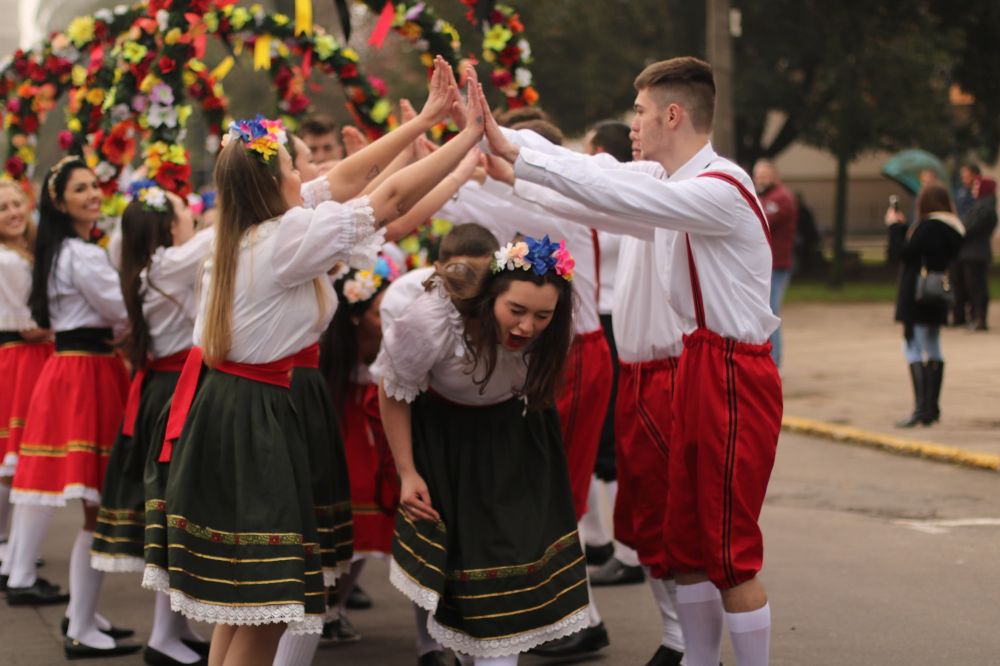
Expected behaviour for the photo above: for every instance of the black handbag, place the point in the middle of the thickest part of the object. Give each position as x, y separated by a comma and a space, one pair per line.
934, 289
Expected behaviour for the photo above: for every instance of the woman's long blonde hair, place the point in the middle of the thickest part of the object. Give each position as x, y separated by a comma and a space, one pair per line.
249, 193
26, 247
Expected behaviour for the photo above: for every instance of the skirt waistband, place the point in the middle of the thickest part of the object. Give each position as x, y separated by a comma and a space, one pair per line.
91, 340
668, 363
307, 357
9, 337
703, 336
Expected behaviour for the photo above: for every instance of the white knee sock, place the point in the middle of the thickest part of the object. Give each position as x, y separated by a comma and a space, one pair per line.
665, 594
346, 583
425, 642
751, 635
626, 555
30, 523
593, 617
85, 589
166, 635
496, 661
591, 525
699, 608
296, 649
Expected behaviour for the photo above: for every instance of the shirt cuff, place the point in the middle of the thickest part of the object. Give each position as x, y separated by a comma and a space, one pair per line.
531, 165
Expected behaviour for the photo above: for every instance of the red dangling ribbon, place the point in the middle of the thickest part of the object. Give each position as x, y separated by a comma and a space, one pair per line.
383, 26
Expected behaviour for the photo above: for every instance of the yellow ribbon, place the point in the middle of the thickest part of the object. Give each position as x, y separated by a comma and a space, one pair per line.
223, 68
262, 53
303, 17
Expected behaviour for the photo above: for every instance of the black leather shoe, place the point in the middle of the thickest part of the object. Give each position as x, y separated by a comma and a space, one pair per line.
154, 657
589, 640
340, 630
435, 658
42, 593
3, 584
77, 650
358, 599
201, 647
665, 656
598, 555
114, 632
614, 572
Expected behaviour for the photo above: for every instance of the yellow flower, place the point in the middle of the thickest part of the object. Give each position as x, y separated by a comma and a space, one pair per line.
95, 96
147, 83
381, 110
172, 37
91, 160
350, 54
489, 56
79, 75
177, 154
426, 59
114, 205
211, 21
440, 227
134, 53
27, 153
196, 65
240, 18
496, 38
325, 46
280, 19
189, 78
81, 30
183, 113
282, 50
73, 125
118, 75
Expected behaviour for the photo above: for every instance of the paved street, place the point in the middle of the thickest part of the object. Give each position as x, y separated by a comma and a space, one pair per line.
871, 559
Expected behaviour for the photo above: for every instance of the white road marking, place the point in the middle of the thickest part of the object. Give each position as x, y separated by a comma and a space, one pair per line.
943, 526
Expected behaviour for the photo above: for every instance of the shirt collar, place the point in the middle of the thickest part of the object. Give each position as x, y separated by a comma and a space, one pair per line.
698, 163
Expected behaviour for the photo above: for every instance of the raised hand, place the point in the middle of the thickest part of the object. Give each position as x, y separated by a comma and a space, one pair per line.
475, 112
499, 169
439, 99
498, 142
354, 140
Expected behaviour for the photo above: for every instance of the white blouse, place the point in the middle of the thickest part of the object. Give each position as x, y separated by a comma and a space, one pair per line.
424, 349
15, 285
169, 302
275, 310
494, 206
399, 295
84, 289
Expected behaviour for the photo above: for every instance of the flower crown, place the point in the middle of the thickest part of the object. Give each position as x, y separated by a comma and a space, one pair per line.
363, 286
57, 169
260, 135
151, 195
531, 254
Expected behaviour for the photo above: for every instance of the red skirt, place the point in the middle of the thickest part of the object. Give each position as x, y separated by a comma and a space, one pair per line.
643, 422
373, 525
582, 405
74, 416
20, 365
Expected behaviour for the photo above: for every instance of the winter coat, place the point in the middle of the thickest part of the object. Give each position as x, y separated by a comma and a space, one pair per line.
980, 223
932, 243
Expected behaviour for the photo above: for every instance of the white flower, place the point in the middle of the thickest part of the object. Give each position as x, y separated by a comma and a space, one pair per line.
502, 256
421, 45
120, 112
155, 198
104, 172
525, 49
212, 142
103, 15
162, 115
523, 77
163, 19
120, 9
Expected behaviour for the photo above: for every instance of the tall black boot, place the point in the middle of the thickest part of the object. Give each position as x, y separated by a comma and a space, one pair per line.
933, 375
917, 376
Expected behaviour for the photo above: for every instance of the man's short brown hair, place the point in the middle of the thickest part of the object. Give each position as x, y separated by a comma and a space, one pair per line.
687, 81
318, 125
509, 117
543, 127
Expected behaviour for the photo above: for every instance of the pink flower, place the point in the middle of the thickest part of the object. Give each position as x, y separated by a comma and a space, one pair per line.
564, 261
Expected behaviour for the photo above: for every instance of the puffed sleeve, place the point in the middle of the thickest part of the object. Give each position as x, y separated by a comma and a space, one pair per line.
98, 282
176, 267
15, 284
428, 332
310, 242
315, 192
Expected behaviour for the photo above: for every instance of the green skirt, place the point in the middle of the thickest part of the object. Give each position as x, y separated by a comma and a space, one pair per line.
503, 571
118, 537
234, 538
331, 488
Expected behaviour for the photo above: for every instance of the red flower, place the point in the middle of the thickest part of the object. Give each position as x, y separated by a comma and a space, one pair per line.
14, 105
510, 55
119, 147
348, 71
30, 123
297, 103
495, 17
514, 23
15, 167
167, 65
109, 186
175, 178
157, 5
65, 139
501, 78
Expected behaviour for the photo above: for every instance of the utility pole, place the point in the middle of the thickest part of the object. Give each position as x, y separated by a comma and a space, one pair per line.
720, 56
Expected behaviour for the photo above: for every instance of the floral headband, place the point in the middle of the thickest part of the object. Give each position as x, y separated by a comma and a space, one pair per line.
363, 286
56, 170
260, 135
151, 195
540, 256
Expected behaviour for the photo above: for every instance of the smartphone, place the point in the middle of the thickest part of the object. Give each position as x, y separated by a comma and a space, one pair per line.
894, 202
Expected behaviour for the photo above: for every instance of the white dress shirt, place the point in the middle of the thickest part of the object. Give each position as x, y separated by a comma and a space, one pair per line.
84, 289
15, 285
610, 245
424, 348
275, 308
730, 248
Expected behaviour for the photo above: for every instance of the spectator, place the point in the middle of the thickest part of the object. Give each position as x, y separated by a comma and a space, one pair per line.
782, 215
320, 133
974, 258
930, 243
969, 174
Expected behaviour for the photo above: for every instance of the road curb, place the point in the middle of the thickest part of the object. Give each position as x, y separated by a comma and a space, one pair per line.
908, 447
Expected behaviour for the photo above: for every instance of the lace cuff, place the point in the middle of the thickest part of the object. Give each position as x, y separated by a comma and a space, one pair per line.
367, 240
315, 192
381, 371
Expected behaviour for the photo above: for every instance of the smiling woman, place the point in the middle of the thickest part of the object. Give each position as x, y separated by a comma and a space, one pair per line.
468, 379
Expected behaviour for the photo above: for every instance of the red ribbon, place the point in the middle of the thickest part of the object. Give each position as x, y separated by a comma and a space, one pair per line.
383, 26
172, 363
307, 357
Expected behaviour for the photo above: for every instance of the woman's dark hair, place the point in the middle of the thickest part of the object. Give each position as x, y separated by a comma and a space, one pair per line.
934, 198
546, 356
338, 348
143, 231
54, 227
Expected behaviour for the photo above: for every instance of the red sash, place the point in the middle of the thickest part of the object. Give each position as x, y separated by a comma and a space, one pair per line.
277, 373
172, 363
307, 357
